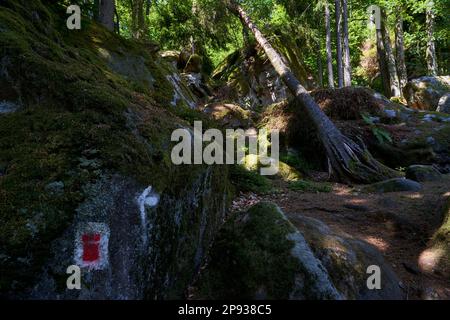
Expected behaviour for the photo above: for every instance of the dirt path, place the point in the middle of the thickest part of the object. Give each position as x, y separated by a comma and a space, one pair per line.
399, 224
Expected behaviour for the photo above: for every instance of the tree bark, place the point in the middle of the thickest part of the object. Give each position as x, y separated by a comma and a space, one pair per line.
400, 52
147, 8
348, 161
96, 9
319, 65
347, 62
106, 13
138, 22
382, 63
392, 69
340, 70
328, 45
431, 46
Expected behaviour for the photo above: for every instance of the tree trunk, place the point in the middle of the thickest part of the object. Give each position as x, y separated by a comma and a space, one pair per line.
106, 13
347, 62
147, 8
118, 21
400, 52
348, 161
96, 8
431, 46
394, 82
328, 45
138, 22
382, 63
319, 65
340, 70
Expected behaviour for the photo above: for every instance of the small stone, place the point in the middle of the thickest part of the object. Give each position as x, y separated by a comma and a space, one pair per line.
390, 113
393, 185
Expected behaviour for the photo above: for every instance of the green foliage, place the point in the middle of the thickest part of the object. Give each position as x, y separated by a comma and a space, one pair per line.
381, 134
249, 181
251, 256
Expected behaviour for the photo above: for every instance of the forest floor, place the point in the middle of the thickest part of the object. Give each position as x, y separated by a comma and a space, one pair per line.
399, 224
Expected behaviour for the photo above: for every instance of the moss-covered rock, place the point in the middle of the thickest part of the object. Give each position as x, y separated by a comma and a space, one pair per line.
392, 185
92, 132
424, 93
422, 173
229, 115
253, 162
347, 261
436, 258
260, 255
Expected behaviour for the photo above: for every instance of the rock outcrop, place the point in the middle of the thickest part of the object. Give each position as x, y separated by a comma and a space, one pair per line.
424, 93
260, 254
86, 177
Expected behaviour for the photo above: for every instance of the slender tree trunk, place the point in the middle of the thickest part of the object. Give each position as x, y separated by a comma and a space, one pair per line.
393, 76
348, 161
400, 52
431, 46
328, 45
147, 8
347, 62
382, 63
319, 64
117, 21
96, 9
106, 13
340, 70
138, 22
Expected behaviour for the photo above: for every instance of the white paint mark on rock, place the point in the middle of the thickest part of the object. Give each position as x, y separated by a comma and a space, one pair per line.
147, 199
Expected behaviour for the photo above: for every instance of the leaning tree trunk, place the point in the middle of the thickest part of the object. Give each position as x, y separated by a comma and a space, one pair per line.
347, 63
348, 161
395, 83
400, 52
340, 70
106, 13
431, 46
328, 45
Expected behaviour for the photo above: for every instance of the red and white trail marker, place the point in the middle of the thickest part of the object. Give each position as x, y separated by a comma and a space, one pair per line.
91, 245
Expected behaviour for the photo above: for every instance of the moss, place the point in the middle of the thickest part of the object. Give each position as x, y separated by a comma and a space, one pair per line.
310, 186
79, 120
245, 180
251, 257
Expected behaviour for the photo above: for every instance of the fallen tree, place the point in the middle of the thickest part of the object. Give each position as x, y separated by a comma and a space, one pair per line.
348, 161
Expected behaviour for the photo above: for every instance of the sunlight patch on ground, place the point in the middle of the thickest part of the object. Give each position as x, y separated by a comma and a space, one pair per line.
379, 243
414, 196
356, 201
429, 259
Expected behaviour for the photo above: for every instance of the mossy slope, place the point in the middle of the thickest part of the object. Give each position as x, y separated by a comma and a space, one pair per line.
78, 122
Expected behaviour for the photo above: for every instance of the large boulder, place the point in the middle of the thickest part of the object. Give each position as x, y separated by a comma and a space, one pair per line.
231, 116
444, 104
347, 261
421, 173
424, 93
436, 258
392, 185
86, 177
259, 254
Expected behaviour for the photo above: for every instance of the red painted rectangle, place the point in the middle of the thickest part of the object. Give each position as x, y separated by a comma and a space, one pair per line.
91, 247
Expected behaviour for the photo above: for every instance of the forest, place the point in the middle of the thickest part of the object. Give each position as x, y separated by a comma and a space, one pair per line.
224, 149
